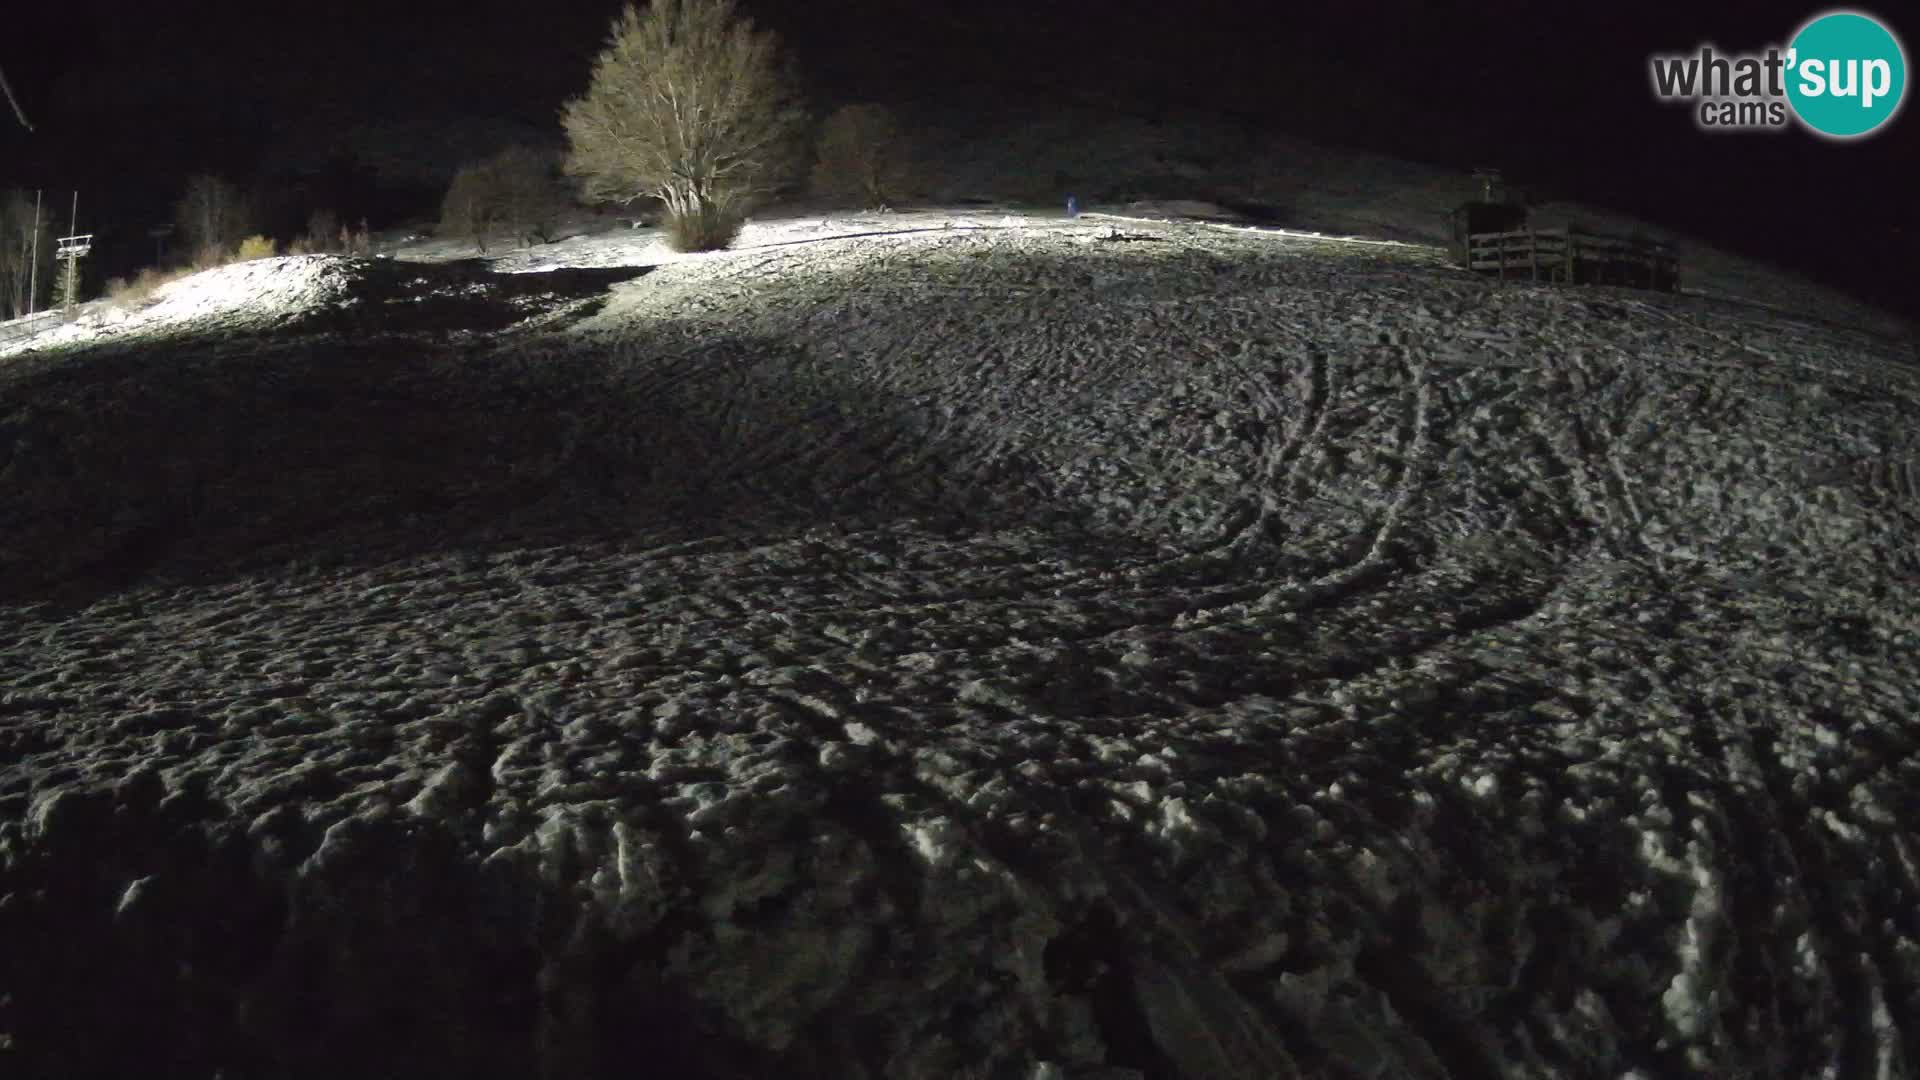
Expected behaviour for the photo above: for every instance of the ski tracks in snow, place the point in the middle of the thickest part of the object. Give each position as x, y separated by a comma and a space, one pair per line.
1262, 649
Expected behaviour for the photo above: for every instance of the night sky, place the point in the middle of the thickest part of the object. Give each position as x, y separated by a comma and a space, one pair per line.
374, 104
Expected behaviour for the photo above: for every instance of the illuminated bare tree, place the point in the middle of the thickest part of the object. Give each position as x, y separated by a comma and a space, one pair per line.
690, 104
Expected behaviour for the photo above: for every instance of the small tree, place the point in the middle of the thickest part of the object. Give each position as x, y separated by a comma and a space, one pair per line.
863, 156
18, 252
471, 209
690, 104
531, 191
213, 216
515, 193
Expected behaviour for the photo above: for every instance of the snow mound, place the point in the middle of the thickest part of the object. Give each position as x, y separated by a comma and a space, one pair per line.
248, 297
260, 291
329, 294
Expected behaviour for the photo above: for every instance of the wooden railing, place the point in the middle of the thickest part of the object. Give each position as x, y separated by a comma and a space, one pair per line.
1574, 256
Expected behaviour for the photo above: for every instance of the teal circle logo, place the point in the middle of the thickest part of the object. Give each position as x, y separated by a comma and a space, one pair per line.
1846, 74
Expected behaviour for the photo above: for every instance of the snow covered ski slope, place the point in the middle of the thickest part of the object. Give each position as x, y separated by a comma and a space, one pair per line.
997, 649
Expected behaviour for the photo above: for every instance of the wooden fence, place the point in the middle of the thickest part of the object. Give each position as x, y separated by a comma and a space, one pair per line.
1574, 257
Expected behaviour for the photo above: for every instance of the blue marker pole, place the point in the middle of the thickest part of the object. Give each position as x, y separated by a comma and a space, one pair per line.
1073, 207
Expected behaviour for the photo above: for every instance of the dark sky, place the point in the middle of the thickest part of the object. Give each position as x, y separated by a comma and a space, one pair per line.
129, 97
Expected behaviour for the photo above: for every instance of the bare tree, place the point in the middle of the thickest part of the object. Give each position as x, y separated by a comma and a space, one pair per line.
323, 231
532, 191
516, 193
18, 250
14, 101
691, 104
472, 209
863, 155
213, 217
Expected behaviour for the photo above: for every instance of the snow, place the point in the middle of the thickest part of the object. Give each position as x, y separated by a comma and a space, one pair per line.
239, 297
958, 643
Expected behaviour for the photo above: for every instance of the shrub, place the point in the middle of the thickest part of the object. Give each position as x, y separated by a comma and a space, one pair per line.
256, 247
691, 104
516, 194
863, 157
